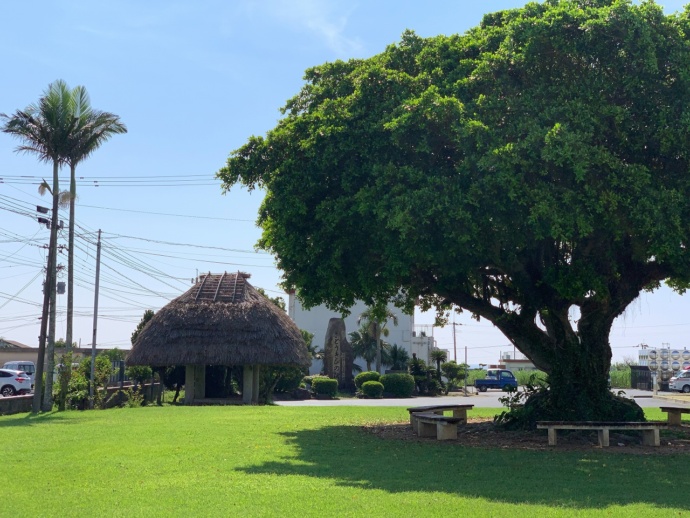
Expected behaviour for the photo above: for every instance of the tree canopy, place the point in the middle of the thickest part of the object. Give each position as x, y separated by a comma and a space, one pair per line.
535, 164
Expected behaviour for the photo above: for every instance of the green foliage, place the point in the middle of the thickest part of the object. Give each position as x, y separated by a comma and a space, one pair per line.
310, 379
438, 356
290, 380
139, 373
174, 379
372, 389
365, 376
132, 397
621, 378
278, 301
323, 386
454, 373
102, 372
364, 345
411, 168
398, 358
425, 378
398, 385
525, 377
148, 315
115, 354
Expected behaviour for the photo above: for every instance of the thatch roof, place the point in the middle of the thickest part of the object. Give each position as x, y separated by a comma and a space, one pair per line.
222, 320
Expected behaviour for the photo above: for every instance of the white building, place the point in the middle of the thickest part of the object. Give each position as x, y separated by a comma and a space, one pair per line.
315, 320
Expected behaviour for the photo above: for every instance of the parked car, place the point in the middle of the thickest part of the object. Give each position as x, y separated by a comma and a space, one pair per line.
25, 366
496, 379
681, 382
13, 383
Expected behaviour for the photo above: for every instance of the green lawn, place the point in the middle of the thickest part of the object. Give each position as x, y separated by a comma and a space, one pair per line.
280, 461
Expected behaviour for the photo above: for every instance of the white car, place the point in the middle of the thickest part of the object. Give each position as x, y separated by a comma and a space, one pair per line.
680, 382
14, 383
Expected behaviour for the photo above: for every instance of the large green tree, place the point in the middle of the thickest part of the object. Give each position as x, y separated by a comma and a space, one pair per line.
533, 171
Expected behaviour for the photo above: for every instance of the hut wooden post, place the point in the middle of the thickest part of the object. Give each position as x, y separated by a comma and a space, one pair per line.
248, 385
200, 381
255, 385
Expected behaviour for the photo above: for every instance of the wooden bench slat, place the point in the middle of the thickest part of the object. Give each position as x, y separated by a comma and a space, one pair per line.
649, 429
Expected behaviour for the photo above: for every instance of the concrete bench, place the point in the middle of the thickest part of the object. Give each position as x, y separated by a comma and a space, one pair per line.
674, 414
650, 429
441, 426
459, 411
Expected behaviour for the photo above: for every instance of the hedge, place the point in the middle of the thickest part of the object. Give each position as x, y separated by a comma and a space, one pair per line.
398, 385
365, 376
324, 387
372, 389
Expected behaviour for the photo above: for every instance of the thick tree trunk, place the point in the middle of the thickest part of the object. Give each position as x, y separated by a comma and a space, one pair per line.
578, 380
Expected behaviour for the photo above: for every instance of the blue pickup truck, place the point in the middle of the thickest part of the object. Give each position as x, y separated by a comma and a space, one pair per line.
497, 379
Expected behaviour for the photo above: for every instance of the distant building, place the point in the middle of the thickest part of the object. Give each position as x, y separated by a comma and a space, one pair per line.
15, 351
516, 362
315, 320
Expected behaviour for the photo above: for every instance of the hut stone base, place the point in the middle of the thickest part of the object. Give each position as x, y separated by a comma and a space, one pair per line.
250, 385
194, 383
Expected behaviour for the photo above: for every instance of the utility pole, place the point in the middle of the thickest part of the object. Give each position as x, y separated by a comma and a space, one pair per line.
465, 391
38, 380
455, 347
95, 320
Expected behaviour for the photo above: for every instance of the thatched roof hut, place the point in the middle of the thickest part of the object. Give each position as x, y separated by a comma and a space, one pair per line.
221, 320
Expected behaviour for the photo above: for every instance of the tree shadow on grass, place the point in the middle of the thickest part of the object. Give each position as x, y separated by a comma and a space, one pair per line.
53, 418
577, 480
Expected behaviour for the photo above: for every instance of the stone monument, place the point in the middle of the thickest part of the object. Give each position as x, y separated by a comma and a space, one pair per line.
338, 357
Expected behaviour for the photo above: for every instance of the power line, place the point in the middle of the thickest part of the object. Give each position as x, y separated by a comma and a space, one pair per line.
189, 216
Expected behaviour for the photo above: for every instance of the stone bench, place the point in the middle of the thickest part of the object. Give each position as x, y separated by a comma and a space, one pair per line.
459, 411
442, 427
674, 414
650, 429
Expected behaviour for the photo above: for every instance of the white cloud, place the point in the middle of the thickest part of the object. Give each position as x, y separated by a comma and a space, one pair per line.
327, 20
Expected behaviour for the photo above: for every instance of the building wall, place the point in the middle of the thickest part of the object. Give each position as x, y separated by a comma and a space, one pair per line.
316, 320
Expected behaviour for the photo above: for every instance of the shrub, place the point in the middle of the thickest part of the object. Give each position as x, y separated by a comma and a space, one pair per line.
324, 386
310, 379
620, 378
534, 377
289, 380
398, 385
372, 389
365, 376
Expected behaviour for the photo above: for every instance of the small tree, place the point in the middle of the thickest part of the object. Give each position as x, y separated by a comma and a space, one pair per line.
439, 356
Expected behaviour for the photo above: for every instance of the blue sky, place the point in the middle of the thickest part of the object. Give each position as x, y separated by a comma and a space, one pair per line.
192, 81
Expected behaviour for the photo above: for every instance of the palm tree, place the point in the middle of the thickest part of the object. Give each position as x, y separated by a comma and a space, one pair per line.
314, 352
398, 358
377, 317
439, 356
44, 129
364, 345
92, 128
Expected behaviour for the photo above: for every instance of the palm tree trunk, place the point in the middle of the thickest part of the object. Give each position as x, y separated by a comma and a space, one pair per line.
64, 380
50, 347
378, 346
70, 258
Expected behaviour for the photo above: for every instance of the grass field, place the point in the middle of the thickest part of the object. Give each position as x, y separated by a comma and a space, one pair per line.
308, 461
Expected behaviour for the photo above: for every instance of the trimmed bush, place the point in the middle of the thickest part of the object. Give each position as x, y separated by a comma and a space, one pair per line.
365, 376
398, 385
324, 387
372, 389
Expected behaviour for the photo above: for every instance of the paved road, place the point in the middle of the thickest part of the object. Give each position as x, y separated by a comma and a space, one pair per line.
487, 399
